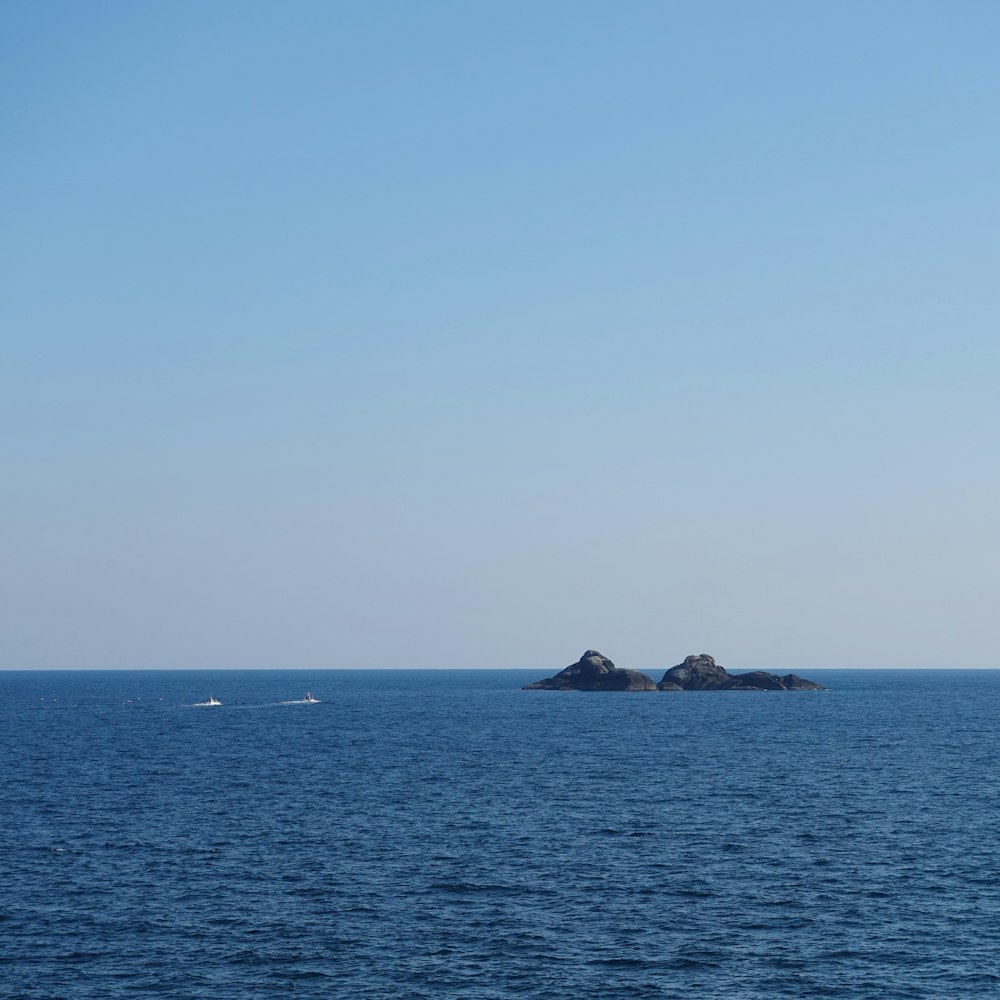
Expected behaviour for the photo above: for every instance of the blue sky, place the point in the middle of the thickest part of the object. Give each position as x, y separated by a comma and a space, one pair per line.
351, 334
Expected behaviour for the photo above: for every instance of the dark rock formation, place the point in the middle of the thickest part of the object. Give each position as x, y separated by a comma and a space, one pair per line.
702, 673
594, 672
696, 673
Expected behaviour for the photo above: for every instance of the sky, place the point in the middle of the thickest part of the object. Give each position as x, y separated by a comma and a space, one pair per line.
351, 334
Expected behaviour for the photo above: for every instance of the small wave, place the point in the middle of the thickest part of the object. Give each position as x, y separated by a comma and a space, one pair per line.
623, 963
462, 888
687, 962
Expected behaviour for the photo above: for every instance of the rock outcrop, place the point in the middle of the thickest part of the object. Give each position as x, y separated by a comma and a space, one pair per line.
594, 672
696, 673
702, 673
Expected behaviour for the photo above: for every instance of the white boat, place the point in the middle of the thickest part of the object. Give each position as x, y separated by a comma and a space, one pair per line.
210, 703
307, 699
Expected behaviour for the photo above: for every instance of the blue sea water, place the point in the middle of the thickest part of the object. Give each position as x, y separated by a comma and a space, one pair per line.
442, 834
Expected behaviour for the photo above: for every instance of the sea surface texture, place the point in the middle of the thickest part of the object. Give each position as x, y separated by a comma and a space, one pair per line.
439, 834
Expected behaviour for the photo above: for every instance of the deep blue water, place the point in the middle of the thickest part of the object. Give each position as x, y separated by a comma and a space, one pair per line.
425, 834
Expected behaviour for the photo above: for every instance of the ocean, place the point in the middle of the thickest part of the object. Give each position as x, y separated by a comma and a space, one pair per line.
443, 834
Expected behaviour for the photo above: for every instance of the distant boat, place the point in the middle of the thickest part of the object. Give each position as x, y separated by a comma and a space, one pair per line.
210, 703
307, 699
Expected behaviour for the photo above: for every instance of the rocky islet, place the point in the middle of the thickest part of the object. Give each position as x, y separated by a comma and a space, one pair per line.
595, 672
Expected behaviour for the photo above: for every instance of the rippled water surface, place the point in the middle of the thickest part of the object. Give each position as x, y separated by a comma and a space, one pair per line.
424, 834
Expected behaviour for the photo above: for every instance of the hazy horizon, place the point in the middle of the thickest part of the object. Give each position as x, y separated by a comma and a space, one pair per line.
652, 671
380, 336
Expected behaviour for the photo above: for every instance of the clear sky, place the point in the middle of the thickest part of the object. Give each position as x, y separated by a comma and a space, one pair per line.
476, 334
